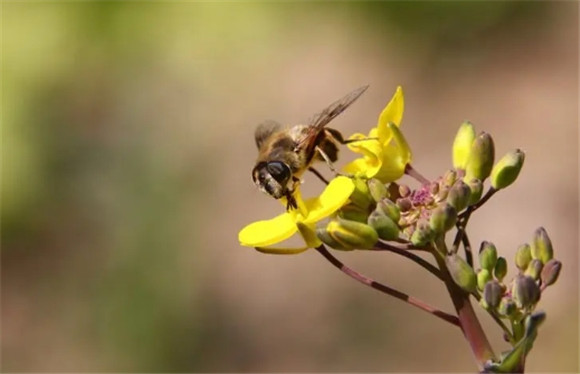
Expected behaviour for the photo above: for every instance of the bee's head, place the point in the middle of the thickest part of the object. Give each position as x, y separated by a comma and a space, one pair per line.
272, 177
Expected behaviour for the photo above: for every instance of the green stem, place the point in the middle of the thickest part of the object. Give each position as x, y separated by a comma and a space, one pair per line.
468, 321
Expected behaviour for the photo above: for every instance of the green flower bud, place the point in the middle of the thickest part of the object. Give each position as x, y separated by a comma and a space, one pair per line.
443, 218
404, 204
525, 291
443, 193
353, 212
550, 272
434, 188
542, 246
324, 235
361, 195
448, 179
352, 234
390, 209
483, 276
476, 188
523, 256
534, 269
492, 293
487, 255
506, 307
459, 195
383, 225
462, 274
500, 269
507, 169
377, 189
422, 234
480, 159
462, 145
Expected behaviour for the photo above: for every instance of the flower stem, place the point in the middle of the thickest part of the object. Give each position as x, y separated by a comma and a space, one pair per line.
469, 323
385, 289
412, 172
411, 256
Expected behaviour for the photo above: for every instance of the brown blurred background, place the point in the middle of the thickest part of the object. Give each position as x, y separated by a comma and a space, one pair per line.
127, 150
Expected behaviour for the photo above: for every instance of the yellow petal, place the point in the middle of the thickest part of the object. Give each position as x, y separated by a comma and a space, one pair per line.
393, 113
367, 166
265, 233
308, 233
332, 198
281, 251
401, 142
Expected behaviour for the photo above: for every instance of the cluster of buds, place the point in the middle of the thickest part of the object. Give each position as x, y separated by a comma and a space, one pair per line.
537, 269
395, 212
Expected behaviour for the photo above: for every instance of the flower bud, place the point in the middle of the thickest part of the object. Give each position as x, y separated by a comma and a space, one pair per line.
492, 293
443, 193
506, 307
507, 169
462, 145
476, 188
542, 246
377, 189
434, 188
459, 195
534, 269
422, 234
480, 159
487, 255
550, 272
404, 190
500, 269
443, 218
462, 274
404, 204
390, 209
353, 212
525, 291
448, 178
324, 235
352, 234
383, 225
523, 256
483, 276
361, 195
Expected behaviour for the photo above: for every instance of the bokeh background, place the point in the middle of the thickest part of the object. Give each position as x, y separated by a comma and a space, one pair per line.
127, 145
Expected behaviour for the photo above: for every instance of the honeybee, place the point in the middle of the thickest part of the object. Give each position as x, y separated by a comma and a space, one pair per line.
284, 154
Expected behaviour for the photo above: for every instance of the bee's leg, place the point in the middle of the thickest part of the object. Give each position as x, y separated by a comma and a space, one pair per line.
329, 162
317, 173
291, 201
339, 138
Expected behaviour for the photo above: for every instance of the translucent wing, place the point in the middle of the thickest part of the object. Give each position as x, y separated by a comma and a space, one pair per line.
323, 118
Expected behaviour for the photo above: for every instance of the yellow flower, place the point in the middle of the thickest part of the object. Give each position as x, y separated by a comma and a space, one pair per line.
263, 234
386, 157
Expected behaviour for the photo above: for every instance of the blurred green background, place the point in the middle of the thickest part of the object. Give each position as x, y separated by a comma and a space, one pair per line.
127, 145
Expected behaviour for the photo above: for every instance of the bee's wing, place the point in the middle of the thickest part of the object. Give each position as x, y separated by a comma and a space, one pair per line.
323, 118
265, 130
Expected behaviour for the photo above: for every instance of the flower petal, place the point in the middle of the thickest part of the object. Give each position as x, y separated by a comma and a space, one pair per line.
281, 251
393, 112
332, 198
265, 233
370, 164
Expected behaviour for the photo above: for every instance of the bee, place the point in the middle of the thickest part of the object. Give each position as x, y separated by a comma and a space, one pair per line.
284, 154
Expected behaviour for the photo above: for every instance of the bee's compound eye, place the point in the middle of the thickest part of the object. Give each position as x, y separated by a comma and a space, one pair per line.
279, 171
